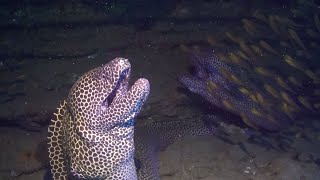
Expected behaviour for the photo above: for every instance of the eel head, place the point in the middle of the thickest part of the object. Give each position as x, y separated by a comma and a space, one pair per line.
102, 99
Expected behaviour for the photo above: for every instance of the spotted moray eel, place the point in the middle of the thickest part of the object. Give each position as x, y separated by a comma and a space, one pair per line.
91, 136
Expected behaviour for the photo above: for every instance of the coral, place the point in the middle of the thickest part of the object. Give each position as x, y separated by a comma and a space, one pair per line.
267, 73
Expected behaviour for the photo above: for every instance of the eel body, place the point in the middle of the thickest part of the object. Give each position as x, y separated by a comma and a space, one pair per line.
91, 136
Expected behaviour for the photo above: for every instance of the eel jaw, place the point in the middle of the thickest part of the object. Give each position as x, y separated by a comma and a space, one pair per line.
121, 85
144, 89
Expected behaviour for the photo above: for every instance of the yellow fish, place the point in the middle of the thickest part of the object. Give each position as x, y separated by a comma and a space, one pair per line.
288, 99
288, 59
247, 121
312, 75
256, 112
262, 100
257, 50
271, 90
232, 37
304, 101
281, 82
228, 105
243, 55
296, 38
212, 86
287, 110
244, 91
234, 59
253, 98
246, 49
286, 21
249, 26
235, 79
267, 47
263, 71
230, 76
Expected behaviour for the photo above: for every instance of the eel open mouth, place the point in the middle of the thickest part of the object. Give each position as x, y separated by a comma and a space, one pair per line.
121, 83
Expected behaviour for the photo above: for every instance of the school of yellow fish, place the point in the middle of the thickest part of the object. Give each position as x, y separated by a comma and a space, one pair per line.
280, 54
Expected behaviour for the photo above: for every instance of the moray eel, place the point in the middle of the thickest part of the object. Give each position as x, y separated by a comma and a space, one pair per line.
92, 134
152, 138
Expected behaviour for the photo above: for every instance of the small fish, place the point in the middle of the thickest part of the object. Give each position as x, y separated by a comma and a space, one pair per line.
256, 112
249, 26
287, 110
288, 59
312, 75
247, 121
228, 75
304, 101
234, 58
257, 50
286, 21
281, 83
232, 37
295, 37
263, 71
253, 98
228, 105
288, 99
212, 87
243, 55
271, 90
267, 47
235, 79
244, 91
245, 48
261, 99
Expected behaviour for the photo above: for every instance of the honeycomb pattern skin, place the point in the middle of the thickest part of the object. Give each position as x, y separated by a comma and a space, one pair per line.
91, 136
